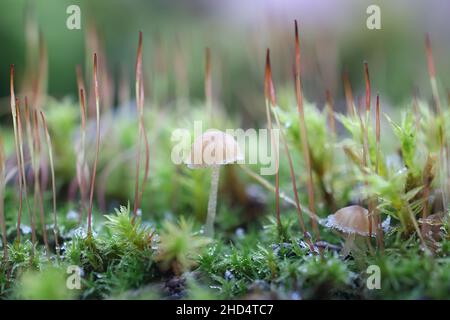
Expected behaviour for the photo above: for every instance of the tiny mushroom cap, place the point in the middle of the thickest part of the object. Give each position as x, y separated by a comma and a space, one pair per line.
351, 220
213, 148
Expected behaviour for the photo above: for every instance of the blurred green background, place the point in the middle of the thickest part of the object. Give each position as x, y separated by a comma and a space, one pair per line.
334, 38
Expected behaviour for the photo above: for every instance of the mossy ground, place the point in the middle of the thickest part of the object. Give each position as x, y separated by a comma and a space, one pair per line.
173, 261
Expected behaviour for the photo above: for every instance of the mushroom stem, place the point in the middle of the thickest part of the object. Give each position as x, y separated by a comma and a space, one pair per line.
348, 245
212, 201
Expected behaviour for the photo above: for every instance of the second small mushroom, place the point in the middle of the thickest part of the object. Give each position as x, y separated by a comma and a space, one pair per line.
213, 149
352, 221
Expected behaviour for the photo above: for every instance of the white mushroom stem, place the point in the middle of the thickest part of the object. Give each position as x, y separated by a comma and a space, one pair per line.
348, 245
212, 202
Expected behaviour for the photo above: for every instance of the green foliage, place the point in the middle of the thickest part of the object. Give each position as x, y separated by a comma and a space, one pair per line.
129, 250
86, 253
49, 283
119, 259
179, 246
196, 291
23, 256
408, 274
127, 235
281, 267
391, 190
406, 133
325, 278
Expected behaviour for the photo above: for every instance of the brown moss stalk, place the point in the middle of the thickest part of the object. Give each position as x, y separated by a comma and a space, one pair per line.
348, 94
303, 131
269, 92
142, 134
97, 148
271, 99
82, 170
52, 172
366, 151
38, 195
380, 237
29, 135
24, 188
2, 199
16, 143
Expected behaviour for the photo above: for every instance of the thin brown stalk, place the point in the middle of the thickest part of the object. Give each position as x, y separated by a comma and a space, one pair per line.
368, 88
82, 169
271, 101
16, 142
364, 169
81, 154
380, 239
27, 117
348, 94
294, 183
80, 82
138, 149
147, 150
367, 121
274, 148
52, 170
22, 169
2, 199
97, 147
142, 134
136, 185
269, 93
366, 147
303, 131
38, 195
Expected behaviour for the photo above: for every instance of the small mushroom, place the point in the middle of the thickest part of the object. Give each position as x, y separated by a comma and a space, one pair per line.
352, 221
213, 149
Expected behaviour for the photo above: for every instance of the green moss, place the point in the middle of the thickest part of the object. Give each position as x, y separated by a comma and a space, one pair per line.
49, 283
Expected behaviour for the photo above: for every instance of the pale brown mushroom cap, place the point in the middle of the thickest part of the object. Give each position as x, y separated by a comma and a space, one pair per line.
352, 220
213, 148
